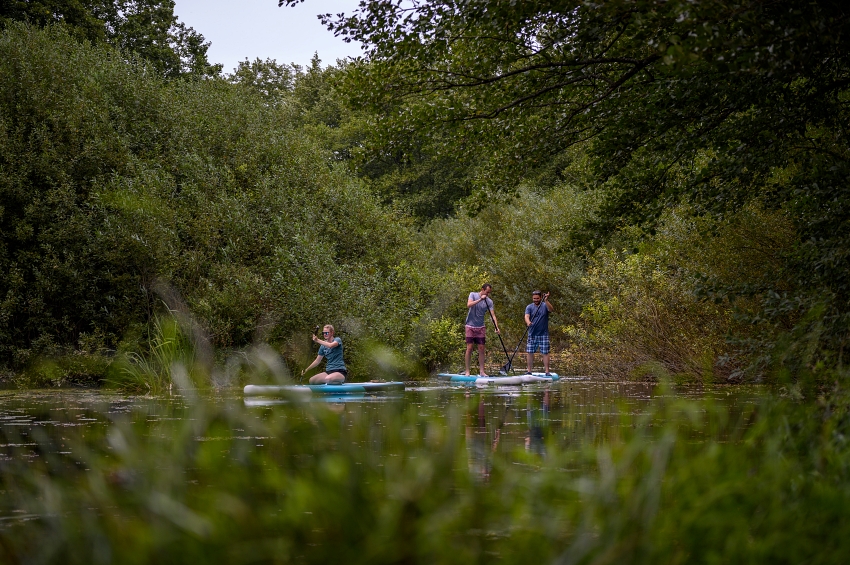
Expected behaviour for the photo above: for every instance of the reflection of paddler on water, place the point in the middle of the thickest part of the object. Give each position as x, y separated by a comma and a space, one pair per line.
479, 448
330, 349
538, 422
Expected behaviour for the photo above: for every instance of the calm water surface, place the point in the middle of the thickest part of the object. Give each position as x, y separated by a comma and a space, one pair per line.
574, 414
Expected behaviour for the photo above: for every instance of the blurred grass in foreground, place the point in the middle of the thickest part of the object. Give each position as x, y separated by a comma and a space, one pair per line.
217, 482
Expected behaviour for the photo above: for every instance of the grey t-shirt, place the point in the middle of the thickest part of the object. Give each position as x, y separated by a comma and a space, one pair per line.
475, 316
333, 357
540, 324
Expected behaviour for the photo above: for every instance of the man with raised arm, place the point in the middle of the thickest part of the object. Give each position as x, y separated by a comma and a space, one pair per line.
478, 303
537, 320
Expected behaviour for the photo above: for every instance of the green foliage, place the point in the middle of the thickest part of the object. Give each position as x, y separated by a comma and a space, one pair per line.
443, 343
208, 480
687, 299
519, 245
146, 28
239, 196
117, 185
84, 17
114, 181
643, 312
69, 368
321, 108
150, 29
710, 103
270, 79
170, 355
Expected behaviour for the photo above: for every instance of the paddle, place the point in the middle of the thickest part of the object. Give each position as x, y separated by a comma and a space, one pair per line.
509, 365
493, 319
316, 333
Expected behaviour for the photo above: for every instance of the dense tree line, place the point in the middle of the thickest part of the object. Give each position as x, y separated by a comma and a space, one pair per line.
115, 182
148, 28
676, 172
709, 104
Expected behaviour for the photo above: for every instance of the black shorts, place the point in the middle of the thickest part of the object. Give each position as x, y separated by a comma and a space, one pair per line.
343, 371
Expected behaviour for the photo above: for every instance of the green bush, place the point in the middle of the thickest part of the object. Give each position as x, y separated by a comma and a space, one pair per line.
116, 184
443, 345
170, 356
654, 307
72, 369
519, 245
643, 311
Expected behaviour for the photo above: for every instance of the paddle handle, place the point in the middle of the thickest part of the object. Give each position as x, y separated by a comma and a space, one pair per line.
496, 326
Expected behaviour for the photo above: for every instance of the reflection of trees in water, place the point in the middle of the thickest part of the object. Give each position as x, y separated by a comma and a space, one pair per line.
568, 416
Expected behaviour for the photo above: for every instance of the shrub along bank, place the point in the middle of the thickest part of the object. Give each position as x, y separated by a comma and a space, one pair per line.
121, 190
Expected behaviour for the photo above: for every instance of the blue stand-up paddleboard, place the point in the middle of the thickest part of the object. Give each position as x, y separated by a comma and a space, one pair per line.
505, 381
309, 390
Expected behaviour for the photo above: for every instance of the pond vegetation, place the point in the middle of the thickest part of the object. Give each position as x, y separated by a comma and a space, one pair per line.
580, 471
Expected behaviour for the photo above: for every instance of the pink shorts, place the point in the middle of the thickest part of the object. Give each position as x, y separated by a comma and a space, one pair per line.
475, 335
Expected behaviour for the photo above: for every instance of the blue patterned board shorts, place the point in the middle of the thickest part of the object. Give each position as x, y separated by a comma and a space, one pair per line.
535, 342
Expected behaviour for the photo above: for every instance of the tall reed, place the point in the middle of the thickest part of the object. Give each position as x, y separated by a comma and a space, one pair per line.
169, 353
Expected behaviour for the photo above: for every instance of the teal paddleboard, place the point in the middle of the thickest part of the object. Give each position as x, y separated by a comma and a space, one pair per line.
305, 390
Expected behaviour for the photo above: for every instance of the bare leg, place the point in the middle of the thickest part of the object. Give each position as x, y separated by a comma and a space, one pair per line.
336, 378
481, 360
326, 379
530, 357
318, 378
546, 363
468, 357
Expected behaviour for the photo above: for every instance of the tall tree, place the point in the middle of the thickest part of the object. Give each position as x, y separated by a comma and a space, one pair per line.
148, 28
531, 78
86, 18
712, 101
270, 79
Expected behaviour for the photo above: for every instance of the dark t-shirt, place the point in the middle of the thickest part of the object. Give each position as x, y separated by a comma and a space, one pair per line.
540, 324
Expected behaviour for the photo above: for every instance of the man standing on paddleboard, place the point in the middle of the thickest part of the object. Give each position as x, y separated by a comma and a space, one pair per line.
480, 304
537, 320
330, 349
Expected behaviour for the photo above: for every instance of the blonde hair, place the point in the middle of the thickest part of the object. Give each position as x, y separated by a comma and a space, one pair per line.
330, 328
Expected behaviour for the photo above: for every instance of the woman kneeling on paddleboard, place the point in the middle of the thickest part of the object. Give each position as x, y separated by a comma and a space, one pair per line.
330, 348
